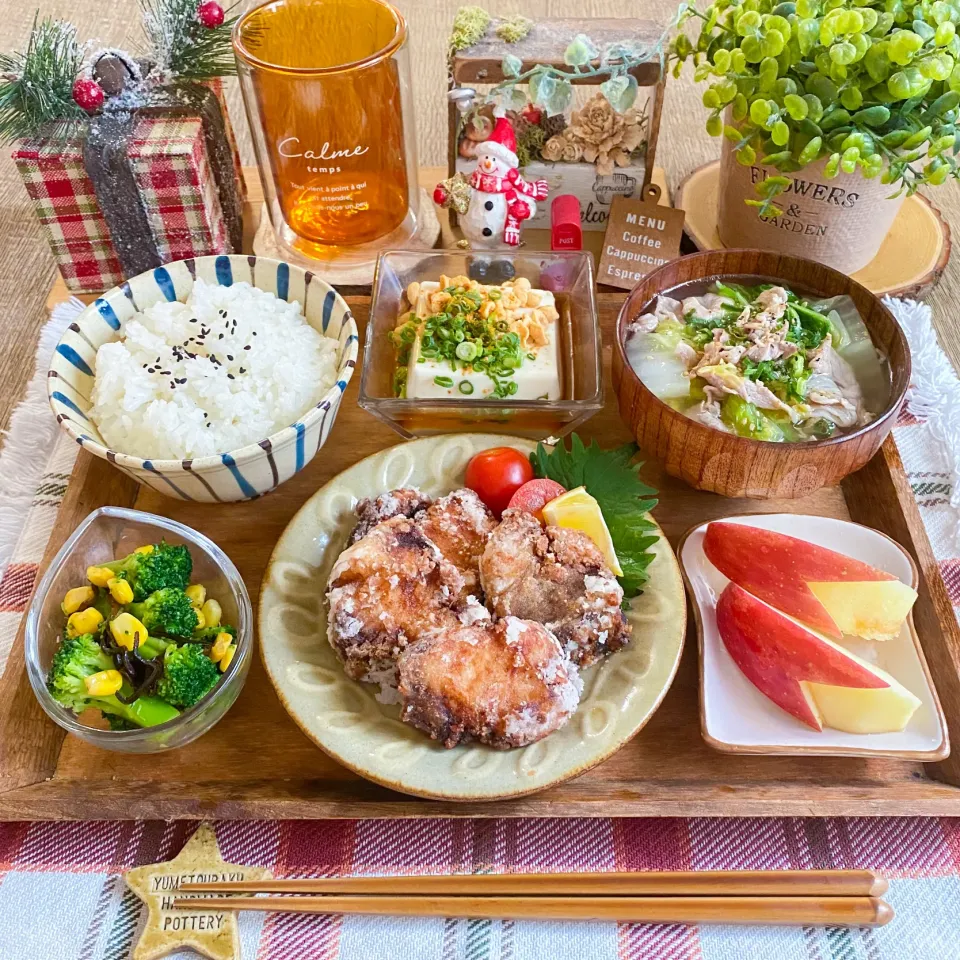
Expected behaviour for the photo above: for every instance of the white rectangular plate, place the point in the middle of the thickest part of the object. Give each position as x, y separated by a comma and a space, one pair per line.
736, 717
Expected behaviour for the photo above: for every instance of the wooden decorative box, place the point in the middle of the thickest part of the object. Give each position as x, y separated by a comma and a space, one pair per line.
482, 65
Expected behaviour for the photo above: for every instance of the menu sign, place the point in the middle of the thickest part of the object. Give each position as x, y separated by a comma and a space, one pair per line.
641, 236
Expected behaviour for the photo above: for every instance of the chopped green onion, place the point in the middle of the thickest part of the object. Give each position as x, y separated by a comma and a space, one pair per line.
443, 381
466, 351
465, 386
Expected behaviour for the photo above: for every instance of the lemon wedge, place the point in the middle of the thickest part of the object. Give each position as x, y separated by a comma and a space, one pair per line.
577, 510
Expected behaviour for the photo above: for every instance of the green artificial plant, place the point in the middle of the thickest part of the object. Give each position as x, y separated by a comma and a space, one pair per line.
870, 85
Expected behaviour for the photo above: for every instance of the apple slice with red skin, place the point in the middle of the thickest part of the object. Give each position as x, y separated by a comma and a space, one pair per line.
777, 568
776, 654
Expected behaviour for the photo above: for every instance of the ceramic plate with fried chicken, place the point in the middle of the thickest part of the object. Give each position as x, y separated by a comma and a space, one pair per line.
439, 648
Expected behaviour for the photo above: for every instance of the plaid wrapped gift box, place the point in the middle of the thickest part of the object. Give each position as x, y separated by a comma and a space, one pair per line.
169, 159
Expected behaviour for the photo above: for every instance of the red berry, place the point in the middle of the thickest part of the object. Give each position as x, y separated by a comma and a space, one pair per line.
532, 114
88, 94
210, 13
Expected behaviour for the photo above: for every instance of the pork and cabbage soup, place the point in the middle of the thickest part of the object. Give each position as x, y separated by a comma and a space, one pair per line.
760, 361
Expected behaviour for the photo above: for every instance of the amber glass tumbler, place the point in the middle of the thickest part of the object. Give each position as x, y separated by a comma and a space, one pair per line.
326, 85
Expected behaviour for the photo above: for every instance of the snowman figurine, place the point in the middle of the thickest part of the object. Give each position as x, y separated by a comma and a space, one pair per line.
500, 199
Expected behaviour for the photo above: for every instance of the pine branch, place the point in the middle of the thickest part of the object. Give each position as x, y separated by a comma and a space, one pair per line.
181, 46
36, 87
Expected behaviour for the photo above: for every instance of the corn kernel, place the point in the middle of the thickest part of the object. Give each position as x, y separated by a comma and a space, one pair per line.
100, 576
220, 646
125, 628
201, 619
211, 613
145, 549
83, 621
227, 658
197, 593
76, 598
104, 683
120, 590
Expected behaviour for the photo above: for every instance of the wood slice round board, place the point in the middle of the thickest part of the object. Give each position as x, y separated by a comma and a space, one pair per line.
344, 717
911, 258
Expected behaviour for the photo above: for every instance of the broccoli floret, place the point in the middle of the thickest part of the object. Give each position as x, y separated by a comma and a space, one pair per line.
188, 675
119, 723
78, 658
167, 611
153, 647
209, 634
103, 604
166, 565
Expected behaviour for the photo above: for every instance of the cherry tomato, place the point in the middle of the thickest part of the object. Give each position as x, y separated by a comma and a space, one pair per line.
496, 474
534, 495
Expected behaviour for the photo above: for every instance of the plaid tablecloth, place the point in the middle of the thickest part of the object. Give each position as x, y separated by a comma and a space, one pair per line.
62, 895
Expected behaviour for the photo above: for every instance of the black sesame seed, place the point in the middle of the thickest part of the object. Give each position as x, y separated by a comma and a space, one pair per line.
247, 347
194, 320
230, 356
230, 376
220, 337
243, 370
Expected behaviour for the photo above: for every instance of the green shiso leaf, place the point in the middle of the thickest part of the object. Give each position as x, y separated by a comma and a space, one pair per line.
612, 479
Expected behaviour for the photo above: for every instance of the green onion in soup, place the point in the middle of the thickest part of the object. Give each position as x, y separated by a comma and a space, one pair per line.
760, 361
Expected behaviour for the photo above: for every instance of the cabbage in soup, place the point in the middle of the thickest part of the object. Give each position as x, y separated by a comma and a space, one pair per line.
760, 361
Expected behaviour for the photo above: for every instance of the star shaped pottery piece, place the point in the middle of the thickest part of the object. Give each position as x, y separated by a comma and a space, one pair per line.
210, 932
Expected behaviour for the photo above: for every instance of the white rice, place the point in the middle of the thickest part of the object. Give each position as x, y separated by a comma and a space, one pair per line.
227, 368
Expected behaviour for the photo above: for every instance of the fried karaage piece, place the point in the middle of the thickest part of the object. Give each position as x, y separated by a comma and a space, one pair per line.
460, 525
386, 591
559, 578
505, 683
403, 502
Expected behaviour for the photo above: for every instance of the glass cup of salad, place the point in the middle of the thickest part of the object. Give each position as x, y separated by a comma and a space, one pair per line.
498, 341
139, 636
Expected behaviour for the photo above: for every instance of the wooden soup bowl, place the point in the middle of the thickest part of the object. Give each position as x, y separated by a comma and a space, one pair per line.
735, 466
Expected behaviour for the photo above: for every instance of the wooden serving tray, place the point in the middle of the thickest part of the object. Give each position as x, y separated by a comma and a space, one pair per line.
257, 763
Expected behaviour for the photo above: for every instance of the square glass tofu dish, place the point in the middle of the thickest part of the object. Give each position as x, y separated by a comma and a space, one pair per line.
492, 340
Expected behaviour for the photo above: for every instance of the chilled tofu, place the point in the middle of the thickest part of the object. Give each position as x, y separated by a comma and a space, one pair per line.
536, 379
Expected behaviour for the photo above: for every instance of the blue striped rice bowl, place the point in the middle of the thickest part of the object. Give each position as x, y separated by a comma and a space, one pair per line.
235, 474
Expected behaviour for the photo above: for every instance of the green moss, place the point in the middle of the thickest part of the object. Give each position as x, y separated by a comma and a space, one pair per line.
469, 25
513, 29
529, 144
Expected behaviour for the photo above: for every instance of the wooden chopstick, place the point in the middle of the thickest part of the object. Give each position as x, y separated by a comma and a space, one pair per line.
716, 883
808, 911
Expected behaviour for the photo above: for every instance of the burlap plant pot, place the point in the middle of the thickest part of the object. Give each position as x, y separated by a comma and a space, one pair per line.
839, 222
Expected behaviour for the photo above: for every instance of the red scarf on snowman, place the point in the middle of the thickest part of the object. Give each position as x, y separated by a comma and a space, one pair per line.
513, 186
